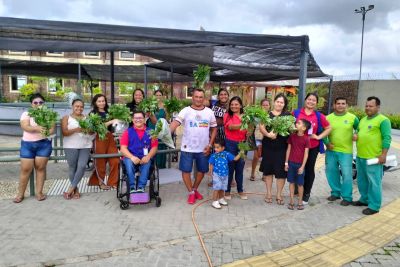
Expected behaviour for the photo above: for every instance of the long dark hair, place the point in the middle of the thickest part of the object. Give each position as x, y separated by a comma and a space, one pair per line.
285, 100
133, 95
238, 99
95, 109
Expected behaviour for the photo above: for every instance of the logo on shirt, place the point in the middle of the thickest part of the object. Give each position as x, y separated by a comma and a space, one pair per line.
369, 127
199, 124
346, 122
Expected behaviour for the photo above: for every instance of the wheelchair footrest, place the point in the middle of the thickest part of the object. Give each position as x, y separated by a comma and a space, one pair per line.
139, 198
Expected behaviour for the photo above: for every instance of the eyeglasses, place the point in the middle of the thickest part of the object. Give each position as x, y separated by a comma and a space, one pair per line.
138, 119
38, 102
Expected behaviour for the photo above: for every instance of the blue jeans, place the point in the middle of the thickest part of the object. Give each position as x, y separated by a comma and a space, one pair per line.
186, 161
131, 169
236, 167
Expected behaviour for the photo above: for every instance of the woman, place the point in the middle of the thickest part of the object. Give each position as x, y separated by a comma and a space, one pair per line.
106, 146
274, 152
161, 159
256, 141
232, 124
76, 147
320, 128
137, 97
34, 153
219, 109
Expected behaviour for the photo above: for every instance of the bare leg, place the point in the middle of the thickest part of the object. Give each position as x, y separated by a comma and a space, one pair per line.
268, 184
301, 192
291, 189
280, 183
221, 194
26, 169
40, 167
254, 164
187, 180
199, 178
216, 195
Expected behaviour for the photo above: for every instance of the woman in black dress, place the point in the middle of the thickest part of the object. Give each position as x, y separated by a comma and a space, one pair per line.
274, 151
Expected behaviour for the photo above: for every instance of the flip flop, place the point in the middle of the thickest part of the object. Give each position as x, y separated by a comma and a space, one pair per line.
76, 195
41, 198
280, 201
252, 178
300, 207
291, 206
18, 199
268, 200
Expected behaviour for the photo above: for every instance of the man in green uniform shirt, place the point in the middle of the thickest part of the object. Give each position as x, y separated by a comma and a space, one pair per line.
373, 142
339, 153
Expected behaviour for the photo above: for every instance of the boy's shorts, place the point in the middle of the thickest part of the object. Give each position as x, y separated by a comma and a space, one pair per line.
186, 162
292, 176
33, 149
219, 182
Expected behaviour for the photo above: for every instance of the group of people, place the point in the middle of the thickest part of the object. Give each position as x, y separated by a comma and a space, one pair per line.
210, 139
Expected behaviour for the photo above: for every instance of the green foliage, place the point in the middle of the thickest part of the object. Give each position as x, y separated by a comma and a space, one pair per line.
97, 90
157, 129
119, 112
27, 90
360, 113
44, 117
94, 123
394, 120
283, 125
201, 75
357, 111
243, 148
126, 88
60, 93
149, 104
254, 115
320, 89
172, 105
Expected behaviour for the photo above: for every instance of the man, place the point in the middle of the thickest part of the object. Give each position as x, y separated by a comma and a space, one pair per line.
138, 149
339, 153
373, 142
197, 120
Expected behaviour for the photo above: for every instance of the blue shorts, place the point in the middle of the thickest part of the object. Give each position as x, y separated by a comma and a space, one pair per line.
186, 162
292, 176
31, 150
219, 182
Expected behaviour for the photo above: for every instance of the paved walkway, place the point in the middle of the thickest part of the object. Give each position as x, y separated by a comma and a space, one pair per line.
93, 231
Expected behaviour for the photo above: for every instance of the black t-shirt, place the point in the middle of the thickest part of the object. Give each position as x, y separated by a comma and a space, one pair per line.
219, 111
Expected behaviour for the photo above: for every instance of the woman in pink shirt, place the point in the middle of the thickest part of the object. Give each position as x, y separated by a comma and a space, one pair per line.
233, 135
34, 153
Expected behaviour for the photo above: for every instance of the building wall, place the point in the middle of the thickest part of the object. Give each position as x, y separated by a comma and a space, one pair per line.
388, 92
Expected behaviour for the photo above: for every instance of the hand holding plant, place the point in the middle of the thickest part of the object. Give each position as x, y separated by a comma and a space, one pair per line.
44, 117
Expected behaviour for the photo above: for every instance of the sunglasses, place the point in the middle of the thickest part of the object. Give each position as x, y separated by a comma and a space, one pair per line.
38, 102
138, 119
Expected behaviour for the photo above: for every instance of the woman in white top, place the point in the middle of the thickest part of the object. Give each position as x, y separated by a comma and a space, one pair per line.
77, 147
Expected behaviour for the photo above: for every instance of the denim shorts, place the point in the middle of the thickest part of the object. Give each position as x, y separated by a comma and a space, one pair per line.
186, 162
31, 150
219, 182
292, 176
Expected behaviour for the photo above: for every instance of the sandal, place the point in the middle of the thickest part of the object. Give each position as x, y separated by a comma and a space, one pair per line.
41, 198
104, 187
291, 206
300, 207
268, 200
280, 201
76, 195
252, 178
67, 195
18, 199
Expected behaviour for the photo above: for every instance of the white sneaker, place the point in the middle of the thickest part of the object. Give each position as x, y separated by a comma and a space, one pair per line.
305, 203
216, 205
223, 202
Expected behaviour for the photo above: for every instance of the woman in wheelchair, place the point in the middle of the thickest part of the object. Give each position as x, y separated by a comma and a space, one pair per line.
138, 148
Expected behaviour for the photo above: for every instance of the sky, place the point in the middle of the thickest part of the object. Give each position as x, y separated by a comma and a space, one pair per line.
333, 27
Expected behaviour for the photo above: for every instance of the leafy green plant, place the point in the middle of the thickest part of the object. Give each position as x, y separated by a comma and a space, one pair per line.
359, 113
26, 90
394, 120
283, 125
44, 117
94, 123
157, 129
120, 112
60, 93
149, 104
243, 148
172, 105
201, 75
254, 115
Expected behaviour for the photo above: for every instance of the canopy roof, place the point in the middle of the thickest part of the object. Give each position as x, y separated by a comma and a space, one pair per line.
233, 56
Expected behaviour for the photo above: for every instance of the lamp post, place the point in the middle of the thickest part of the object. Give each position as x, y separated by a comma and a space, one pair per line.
362, 11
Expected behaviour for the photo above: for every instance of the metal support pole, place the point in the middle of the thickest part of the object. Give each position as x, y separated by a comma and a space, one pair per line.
32, 183
145, 80
302, 77
79, 87
91, 90
1, 84
112, 77
362, 44
330, 94
172, 81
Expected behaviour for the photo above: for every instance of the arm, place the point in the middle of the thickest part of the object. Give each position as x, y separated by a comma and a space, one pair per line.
264, 132
149, 156
301, 169
386, 140
322, 135
153, 118
124, 150
26, 126
207, 150
355, 127
175, 124
237, 157
210, 169
287, 157
64, 127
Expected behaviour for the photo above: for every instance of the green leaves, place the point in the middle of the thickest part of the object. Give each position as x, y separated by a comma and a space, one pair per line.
120, 112
243, 148
149, 104
94, 123
44, 117
201, 75
154, 133
173, 105
283, 125
254, 115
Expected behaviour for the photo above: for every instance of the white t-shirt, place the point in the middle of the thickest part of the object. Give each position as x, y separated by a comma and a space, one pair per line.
196, 128
77, 140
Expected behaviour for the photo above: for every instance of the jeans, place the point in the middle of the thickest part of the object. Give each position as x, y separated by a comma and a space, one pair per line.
369, 181
131, 169
31, 150
236, 167
77, 160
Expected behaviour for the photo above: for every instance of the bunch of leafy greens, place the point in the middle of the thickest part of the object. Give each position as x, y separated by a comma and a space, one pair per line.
254, 115
44, 117
94, 123
157, 129
119, 112
201, 75
243, 148
149, 104
282, 125
173, 105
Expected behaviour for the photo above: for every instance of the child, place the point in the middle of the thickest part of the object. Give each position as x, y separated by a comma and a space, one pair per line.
219, 170
296, 158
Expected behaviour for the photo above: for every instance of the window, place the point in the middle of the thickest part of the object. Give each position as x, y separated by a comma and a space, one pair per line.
16, 82
92, 54
189, 92
14, 52
126, 55
54, 85
95, 87
53, 53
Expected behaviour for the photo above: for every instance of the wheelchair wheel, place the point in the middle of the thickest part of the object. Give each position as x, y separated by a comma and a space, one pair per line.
124, 205
158, 201
89, 165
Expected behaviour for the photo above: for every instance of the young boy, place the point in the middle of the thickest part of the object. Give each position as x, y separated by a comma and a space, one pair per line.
219, 170
296, 158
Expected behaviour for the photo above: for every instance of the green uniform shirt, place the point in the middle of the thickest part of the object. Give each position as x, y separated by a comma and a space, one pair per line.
373, 136
341, 135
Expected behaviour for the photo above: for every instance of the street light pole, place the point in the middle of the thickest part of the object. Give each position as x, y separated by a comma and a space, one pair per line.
362, 11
